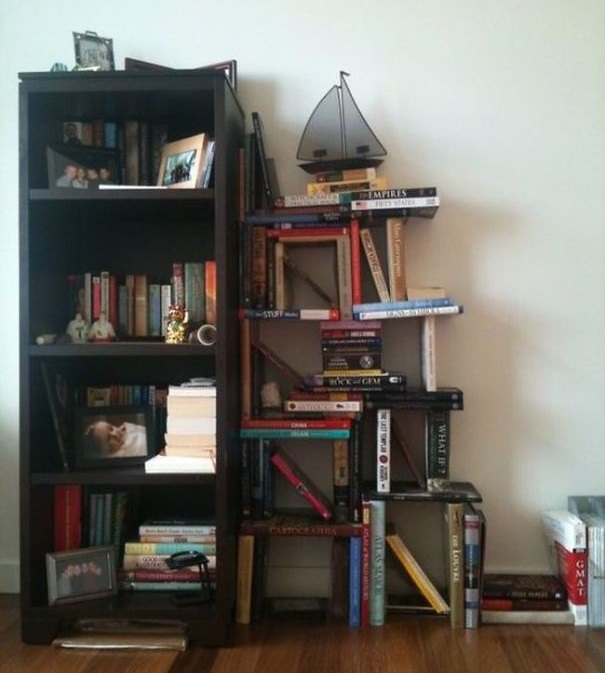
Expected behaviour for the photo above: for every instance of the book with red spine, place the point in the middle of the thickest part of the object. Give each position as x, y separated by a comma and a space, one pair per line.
355, 261
305, 486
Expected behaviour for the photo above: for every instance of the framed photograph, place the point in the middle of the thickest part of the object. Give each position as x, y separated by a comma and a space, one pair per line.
81, 575
93, 52
82, 166
182, 162
113, 436
229, 68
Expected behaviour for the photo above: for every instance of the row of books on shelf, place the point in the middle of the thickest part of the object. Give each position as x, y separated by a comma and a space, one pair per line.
362, 554
138, 147
137, 305
90, 518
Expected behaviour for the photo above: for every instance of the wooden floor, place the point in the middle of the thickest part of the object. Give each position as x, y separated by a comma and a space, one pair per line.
403, 645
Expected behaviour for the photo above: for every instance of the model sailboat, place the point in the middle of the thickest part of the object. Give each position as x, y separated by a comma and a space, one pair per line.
337, 136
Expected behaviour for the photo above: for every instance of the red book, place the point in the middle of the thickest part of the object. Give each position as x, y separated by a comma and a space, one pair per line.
355, 262
210, 285
302, 483
295, 424
67, 516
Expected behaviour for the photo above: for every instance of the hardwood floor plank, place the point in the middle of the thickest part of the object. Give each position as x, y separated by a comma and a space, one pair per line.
405, 644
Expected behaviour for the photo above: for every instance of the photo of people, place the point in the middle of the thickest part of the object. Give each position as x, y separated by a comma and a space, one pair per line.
109, 434
179, 168
78, 166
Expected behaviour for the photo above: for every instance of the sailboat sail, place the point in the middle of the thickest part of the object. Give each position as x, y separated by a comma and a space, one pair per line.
337, 132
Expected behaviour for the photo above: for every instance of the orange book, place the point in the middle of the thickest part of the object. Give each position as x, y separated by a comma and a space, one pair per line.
210, 281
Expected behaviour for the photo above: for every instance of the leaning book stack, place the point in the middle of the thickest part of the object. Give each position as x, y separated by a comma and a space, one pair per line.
190, 439
144, 566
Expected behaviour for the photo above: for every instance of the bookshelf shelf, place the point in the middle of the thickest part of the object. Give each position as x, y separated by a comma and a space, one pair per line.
127, 231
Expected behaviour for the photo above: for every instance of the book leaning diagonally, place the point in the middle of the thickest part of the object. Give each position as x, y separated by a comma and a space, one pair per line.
369, 247
415, 571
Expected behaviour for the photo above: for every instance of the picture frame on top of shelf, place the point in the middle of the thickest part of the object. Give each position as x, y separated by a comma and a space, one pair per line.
81, 575
82, 166
182, 162
93, 52
229, 68
111, 437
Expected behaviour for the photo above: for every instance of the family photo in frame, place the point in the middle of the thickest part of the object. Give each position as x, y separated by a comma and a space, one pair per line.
81, 166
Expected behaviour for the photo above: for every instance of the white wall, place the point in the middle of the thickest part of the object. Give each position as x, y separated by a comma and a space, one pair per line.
500, 104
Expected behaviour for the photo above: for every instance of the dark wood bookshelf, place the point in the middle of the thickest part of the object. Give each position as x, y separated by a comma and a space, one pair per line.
126, 230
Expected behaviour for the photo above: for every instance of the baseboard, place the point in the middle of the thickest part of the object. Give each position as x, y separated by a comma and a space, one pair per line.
9, 577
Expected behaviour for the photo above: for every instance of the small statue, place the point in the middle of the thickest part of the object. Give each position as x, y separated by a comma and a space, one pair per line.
176, 325
77, 329
102, 329
270, 396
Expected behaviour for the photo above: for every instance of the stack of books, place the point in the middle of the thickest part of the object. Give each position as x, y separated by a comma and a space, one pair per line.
524, 598
190, 439
144, 565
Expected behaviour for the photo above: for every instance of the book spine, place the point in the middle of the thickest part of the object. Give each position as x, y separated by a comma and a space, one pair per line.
338, 601
259, 267
408, 313
472, 561
323, 405
377, 562
293, 424
168, 548
365, 382
395, 227
340, 479
404, 304
368, 173
366, 561
428, 353
395, 193
210, 281
454, 514
314, 188
367, 242
355, 473
383, 450
356, 293
245, 565
295, 433
437, 433
307, 234
355, 554
290, 314
194, 291
344, 274
390, 204
176, 529
303, 200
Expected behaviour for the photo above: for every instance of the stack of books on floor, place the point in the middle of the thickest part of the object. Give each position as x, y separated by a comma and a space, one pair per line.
524, 599
190, 439
144, 566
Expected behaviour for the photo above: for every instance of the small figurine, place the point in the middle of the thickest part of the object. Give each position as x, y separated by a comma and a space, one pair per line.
270, 396
102, 329
77, 329
176, 325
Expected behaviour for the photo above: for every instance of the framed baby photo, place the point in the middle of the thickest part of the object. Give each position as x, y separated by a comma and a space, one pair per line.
113, 436
81, 575
93, 52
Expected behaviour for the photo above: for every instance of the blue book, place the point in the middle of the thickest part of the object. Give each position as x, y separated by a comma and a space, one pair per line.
355, 582
404, 304
295, 433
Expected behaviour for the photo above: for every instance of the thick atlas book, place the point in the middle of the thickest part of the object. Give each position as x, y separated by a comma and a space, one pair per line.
377, 594
567, 546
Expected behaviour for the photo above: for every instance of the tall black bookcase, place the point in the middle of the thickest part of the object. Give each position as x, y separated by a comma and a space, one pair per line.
127, 230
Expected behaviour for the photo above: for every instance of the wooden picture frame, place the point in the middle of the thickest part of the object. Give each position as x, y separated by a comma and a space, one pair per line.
82, 166
110, 437
182, 162
81, 575
93, 52
229, 68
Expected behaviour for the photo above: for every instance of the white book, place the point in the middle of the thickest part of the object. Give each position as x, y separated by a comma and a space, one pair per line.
182, 425
383, 450
162, 464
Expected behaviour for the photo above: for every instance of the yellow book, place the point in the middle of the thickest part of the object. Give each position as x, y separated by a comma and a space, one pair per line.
416, 573
314, 188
